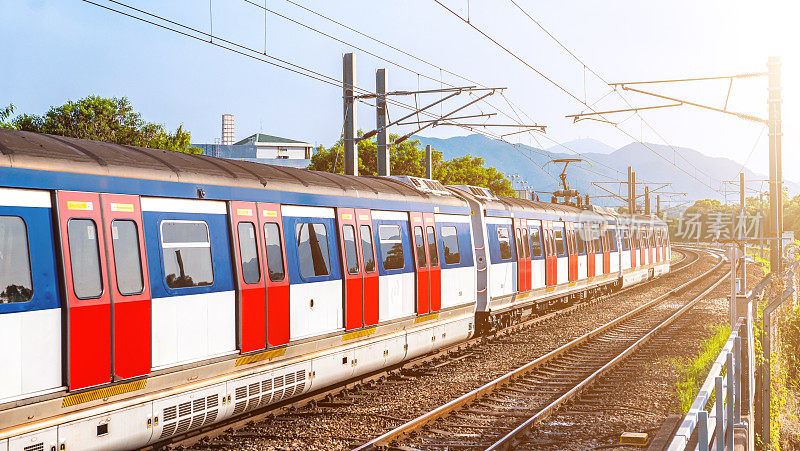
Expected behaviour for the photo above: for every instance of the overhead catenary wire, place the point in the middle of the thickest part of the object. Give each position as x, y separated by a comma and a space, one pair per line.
566, 91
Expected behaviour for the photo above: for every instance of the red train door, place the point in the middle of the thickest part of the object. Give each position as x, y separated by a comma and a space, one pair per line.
606, 250
523, 260
369, 271
421, 268
551, 260
129, 282
351, 268
651, 244
642, 247
270, 222
88, 299
572, 252
633, 240
588, 244
433, 261
250, 286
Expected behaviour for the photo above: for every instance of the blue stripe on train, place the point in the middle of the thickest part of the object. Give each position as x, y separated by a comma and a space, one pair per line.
41, 249
220, 252
30, 178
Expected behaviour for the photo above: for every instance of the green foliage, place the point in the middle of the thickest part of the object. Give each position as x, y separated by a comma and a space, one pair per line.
5, 113
692, 372
408, 158
110, 120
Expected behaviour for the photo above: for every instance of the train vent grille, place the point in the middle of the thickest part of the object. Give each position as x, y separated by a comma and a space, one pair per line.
36, 447
205, 411
170, 413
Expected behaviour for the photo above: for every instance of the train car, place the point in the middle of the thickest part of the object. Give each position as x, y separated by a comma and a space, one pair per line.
531, 254
146, 293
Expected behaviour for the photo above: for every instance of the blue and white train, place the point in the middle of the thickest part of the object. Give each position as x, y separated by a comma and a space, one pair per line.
146, 293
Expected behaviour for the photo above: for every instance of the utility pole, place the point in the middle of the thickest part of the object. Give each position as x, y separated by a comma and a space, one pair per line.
381, 80
633, 192
658, 205
743, 243
775, 171
630, 195
348, 87
428, 162
647, 200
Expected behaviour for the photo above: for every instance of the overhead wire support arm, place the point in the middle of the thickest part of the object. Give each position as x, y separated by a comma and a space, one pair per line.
678, 80
452, 119
375, 132
740, 115
584, 116
408, 135
428, 91
530, 128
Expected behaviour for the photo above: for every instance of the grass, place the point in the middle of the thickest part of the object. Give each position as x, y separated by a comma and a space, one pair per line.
693, 371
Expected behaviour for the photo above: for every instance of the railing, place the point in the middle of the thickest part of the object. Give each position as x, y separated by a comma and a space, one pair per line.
715, 429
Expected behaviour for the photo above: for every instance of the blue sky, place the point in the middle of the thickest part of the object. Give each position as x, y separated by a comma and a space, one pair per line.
56, 50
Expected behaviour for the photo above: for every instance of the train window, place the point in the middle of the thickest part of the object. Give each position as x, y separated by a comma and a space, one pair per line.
612, 240
452, 254
366, 249
505, 243
84, 254
560, 250
624, 239
187, 254
536, 243
312, 249
272, 242
350, 252
526, 242
15, 266
598, 246
391, 247
433, 250
419, 242
127, 263
579, 239
248, 252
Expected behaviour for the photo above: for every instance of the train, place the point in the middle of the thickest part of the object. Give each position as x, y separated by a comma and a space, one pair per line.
146, 293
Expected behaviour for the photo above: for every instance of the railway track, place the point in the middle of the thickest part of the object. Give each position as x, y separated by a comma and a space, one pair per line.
230, 433
499, 414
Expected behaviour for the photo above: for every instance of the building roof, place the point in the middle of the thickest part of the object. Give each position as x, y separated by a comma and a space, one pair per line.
262, 138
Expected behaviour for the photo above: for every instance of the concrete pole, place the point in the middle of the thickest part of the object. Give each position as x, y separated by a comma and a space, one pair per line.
658, 205
381, 80
647, 200
348, 96
775, 172
428, 162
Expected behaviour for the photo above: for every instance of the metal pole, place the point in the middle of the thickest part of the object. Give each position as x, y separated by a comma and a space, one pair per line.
658, 205
729, 403
775, 172
428, 162
719, 434
743, 245
381, 82
766, 379
647, 200
761, 211
349, 138
702, 430
633, 192
630, 196
732, 251
737, 407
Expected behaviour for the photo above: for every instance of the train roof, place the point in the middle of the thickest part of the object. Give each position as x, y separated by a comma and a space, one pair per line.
27, 150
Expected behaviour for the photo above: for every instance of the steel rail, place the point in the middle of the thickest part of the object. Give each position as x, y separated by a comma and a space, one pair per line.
416, 423
191, 437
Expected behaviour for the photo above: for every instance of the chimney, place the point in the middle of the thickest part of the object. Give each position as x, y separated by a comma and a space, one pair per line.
227, 130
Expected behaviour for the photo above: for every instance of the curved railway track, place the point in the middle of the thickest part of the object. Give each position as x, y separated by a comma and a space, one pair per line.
499, 414
235, 429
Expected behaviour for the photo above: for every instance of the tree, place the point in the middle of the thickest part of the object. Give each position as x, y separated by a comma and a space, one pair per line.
407, 158
110, 120
5, 113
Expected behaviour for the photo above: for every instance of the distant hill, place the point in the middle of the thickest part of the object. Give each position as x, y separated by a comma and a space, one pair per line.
653, 167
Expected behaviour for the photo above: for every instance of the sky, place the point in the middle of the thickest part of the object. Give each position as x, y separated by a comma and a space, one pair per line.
59, 50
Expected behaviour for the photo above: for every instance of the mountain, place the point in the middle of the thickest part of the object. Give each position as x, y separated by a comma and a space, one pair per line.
583, 145
657, 166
